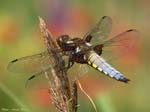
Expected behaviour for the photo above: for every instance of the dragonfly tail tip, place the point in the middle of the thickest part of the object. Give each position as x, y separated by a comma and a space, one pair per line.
124, 79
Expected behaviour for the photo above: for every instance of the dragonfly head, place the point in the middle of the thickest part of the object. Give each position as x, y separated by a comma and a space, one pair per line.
62, 39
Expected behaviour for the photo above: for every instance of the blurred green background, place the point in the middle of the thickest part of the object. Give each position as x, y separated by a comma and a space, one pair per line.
20, 36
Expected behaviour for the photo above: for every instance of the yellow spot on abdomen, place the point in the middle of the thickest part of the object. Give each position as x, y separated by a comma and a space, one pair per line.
89, 57
105, 73
111, 75
99, 69
89, 62
94, 65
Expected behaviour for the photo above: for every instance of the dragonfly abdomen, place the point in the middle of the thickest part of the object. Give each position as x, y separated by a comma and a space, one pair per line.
101, 65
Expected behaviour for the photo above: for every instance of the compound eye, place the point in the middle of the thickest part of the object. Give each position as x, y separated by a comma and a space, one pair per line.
62, 39
66, 38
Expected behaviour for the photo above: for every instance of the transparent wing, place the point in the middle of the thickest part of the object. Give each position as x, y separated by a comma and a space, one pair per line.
120, 44
38, 80
77, 71
100, 32
32, 64
34, 67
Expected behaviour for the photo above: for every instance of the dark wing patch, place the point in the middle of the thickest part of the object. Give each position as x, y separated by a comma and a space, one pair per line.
100, 32
14, 60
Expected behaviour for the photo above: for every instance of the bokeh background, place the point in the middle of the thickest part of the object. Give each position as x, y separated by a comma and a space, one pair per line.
20, 36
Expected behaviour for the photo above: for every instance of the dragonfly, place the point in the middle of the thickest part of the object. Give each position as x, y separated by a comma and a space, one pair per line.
94, 49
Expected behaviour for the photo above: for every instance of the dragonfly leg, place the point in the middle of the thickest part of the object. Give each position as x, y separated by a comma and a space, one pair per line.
70, 61
70, 64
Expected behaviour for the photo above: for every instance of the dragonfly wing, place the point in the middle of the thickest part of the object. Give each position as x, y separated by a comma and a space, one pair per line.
32, 64
119, 45
77, 71
34, 67
100, 32
37, 80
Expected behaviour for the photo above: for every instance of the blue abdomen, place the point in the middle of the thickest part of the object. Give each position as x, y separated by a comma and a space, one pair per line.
101, 65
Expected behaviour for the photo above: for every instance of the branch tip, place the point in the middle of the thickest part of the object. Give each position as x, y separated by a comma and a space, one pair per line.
42, 22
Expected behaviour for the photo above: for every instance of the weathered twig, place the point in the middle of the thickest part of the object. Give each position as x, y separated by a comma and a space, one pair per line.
64, 95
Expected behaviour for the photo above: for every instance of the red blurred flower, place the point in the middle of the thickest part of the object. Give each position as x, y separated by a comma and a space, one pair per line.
41, 97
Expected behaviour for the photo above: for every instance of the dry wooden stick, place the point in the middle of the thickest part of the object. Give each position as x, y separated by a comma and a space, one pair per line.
64, 94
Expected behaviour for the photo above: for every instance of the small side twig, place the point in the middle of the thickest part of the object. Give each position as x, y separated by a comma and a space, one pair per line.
90, 99
64, 95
